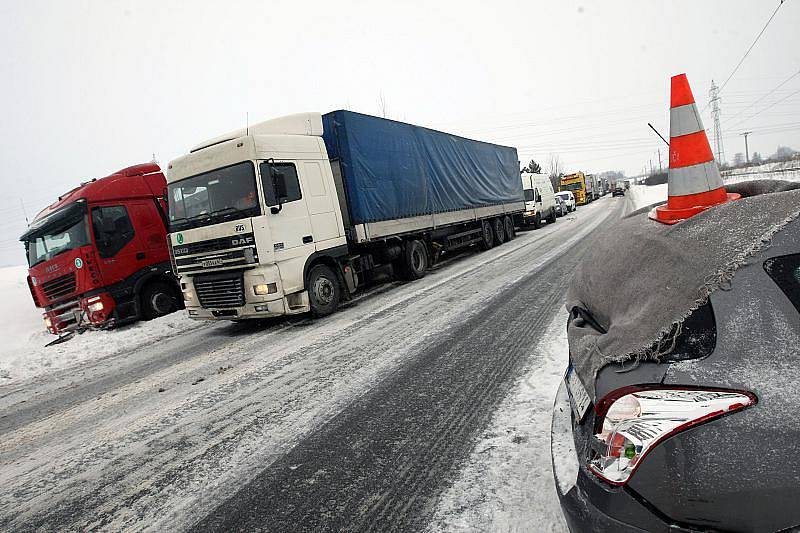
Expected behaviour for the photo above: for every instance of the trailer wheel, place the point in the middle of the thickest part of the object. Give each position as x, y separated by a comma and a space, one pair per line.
510, 231
499, 231
552, 219
414, 261
158, 299
487, 235
324, 291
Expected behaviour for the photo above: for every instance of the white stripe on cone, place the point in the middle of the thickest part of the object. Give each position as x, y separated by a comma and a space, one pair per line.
694, 179
684, 120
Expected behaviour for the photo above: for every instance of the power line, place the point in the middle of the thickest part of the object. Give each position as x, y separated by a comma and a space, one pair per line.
784, 82
739, 64
766, 108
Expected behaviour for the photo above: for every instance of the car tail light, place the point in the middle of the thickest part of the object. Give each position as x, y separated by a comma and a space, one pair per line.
630, 424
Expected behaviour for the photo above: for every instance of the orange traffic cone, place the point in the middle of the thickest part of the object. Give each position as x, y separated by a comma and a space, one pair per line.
694, 182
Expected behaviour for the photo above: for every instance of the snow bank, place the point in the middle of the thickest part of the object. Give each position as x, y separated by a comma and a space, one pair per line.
507, 483
22, 351
644, 195
774, 171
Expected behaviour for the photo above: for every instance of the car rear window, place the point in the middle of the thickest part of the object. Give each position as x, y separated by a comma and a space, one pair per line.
696, 338
785, 271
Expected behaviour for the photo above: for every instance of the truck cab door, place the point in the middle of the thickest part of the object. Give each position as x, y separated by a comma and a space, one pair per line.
116, 241
289, 221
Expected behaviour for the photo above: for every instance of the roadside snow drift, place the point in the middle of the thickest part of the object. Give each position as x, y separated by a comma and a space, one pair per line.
22, 351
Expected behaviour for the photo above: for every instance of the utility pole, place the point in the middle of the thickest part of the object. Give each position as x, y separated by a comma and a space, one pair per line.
746, 152
715, 114
659, 160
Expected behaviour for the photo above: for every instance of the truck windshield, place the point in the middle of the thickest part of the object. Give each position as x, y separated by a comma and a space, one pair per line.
227, 193
572, 186
60, 232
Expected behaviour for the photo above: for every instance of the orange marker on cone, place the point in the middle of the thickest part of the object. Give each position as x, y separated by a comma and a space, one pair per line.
694, 182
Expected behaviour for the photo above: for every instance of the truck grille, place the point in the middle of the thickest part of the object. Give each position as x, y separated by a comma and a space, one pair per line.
217, 260
220, 290
59, 287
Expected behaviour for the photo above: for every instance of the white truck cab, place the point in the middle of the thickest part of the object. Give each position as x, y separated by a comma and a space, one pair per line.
540, 200
223, 216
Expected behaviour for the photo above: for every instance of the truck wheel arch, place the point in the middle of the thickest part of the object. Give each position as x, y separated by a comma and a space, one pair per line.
328, 258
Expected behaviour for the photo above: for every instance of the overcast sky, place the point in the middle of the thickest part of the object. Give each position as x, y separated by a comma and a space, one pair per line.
91, 87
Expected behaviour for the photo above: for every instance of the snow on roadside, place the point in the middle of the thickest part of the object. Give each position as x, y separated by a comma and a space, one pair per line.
507, 483
22, 351
644, 195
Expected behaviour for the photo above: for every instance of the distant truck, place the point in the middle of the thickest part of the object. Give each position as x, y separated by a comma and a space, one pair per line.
580, 187
294, 214
98, 256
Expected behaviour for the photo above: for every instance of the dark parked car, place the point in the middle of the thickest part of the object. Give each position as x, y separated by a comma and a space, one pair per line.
709, 438
619, 190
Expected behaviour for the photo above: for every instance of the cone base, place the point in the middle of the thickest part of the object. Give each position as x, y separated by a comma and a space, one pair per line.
672, 215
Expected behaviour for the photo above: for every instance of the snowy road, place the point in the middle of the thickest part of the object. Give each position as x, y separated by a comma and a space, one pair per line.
356, 422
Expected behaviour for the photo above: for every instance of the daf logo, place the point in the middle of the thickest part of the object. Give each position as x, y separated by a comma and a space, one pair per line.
241, 241
238, 228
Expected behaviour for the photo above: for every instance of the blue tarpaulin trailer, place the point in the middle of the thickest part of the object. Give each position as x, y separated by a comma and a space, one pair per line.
397, 177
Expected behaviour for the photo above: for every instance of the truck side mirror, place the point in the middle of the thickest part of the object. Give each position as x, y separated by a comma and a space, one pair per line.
279, 186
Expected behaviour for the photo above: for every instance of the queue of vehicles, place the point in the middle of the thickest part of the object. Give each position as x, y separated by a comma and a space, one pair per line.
288, 216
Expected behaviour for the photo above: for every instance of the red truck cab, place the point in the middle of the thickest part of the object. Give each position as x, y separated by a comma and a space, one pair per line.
98, 256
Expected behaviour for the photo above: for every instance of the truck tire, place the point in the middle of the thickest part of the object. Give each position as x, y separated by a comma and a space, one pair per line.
510, 231
537, 222
158, 299
499, 231
553, 218
487, 235
324, 291
414, 261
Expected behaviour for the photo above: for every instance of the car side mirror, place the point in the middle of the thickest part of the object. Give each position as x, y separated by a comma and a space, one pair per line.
279, 187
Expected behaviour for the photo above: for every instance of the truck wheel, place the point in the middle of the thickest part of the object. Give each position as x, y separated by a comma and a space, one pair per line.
414, 262
537, 222
553, 218
487, 235
158, 299
499, 231
324, 291
510, 231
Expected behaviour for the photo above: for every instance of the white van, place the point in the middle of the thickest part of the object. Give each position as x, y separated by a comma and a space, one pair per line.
540, 200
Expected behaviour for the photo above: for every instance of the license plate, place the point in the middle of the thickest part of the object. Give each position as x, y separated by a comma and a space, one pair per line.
578, 397
211, 263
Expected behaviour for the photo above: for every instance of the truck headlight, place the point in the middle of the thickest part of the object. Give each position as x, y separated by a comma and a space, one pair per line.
265, 288
47, 322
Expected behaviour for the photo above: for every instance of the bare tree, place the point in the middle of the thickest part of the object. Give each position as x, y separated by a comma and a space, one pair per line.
556, 168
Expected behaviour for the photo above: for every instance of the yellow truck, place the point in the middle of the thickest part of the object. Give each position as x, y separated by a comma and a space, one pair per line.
579, 186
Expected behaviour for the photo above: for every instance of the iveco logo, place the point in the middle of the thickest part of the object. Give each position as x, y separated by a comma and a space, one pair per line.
242, 241
51, 268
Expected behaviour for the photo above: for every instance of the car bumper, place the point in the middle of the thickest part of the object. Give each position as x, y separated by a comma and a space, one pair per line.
584, 501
